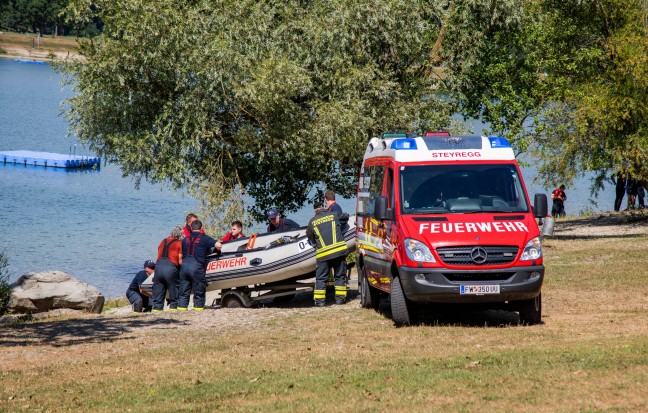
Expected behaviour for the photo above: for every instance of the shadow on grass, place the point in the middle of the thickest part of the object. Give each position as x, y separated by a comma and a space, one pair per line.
79, 331
456, 315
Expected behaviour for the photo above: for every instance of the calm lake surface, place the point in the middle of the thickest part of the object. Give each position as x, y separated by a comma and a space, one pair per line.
95, 225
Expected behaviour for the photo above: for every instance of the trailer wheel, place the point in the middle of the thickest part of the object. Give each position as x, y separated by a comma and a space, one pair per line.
399, 306
369, 297
531, 311
234, 299
231, 302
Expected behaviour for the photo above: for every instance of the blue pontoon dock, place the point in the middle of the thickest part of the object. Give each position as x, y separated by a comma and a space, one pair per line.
48, 159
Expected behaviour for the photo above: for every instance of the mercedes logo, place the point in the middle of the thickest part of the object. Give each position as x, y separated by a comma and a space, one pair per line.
478, 255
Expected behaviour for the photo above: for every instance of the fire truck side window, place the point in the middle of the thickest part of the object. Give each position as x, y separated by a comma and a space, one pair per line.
371, 186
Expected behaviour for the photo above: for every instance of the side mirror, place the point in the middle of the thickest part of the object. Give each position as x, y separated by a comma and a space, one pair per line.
380, 208
540, 206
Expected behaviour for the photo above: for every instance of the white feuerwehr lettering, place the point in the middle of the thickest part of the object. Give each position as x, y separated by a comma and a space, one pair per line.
450, 227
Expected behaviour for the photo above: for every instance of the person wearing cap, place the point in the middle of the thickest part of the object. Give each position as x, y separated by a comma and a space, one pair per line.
195, 248
325, 233
279, 224
166, 272
140, 299
331, 205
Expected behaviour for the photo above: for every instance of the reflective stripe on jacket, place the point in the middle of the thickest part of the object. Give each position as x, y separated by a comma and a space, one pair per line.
324, 231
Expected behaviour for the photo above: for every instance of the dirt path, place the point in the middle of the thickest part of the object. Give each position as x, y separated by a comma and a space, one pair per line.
24, 46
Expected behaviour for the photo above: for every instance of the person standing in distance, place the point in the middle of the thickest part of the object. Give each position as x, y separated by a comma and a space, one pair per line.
331, 205
166, 272
620, 187
192, 270
324, 231
278, 224
140, 299
559, 197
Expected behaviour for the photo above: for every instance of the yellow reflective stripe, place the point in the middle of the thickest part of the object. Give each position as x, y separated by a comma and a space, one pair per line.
320, 253
173, 309
198, 308
319, 235
331, 246
182, 309
340, 290
319, 293
156, 311
333, 232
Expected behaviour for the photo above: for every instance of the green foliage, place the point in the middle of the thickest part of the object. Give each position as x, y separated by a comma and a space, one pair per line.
261, 99
42, 16
564, 80
3, 51
5, 291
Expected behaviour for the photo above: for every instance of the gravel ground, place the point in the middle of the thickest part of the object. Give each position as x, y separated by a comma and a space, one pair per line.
603, 225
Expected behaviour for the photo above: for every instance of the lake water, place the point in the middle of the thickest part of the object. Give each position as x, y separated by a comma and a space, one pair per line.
95, 225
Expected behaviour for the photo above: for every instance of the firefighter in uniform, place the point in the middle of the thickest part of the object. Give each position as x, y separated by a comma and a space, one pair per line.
166, 273
324, 231
195, 248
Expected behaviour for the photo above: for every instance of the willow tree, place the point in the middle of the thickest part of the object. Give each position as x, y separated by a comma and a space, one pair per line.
230, 98
565, 80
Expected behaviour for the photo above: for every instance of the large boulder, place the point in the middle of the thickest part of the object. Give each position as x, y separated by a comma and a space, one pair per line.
37, 292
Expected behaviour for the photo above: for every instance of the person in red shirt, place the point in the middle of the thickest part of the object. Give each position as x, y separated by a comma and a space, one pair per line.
235, 233
559, 197
166, 270
187, 228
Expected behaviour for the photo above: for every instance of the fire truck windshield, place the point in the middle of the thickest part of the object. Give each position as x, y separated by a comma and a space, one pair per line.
461, 188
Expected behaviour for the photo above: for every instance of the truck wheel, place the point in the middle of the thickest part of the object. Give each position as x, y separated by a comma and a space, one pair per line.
531, 311
399, 307
369, 297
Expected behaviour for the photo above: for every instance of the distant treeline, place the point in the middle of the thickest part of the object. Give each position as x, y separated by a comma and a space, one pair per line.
44, 17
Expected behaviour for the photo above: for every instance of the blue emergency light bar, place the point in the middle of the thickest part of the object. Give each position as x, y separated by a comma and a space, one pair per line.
404, 144
499, 142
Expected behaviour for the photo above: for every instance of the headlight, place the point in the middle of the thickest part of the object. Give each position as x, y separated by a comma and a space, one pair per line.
532, 250
417, 251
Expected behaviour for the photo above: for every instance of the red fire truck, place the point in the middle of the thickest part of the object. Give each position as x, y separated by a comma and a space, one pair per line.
447, 219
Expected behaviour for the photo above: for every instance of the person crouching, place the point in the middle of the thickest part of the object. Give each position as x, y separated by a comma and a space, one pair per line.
138, 298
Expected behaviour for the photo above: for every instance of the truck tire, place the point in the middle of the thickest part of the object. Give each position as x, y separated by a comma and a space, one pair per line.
369, 297
399, 307
531, 311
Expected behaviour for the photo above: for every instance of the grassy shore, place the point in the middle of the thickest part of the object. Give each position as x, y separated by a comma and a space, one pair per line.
590, 354
25, 46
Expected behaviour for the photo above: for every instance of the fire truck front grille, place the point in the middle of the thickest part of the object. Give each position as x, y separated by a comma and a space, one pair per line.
477, 255
478, 276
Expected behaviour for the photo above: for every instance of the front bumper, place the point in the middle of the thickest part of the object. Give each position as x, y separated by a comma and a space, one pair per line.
440, 285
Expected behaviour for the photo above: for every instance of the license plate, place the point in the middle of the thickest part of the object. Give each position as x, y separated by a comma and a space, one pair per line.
479, 289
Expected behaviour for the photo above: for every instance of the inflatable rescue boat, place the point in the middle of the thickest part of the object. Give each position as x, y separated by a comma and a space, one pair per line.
264, 258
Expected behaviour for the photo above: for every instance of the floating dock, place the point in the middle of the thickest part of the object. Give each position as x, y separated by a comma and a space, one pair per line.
48, 159
34, 62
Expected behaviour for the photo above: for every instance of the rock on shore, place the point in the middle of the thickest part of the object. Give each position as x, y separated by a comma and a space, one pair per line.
37, 292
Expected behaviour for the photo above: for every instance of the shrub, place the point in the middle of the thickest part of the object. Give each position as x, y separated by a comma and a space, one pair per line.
5, 291
2, 51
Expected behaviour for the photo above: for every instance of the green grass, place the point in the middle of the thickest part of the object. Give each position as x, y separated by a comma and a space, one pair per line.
591, 353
